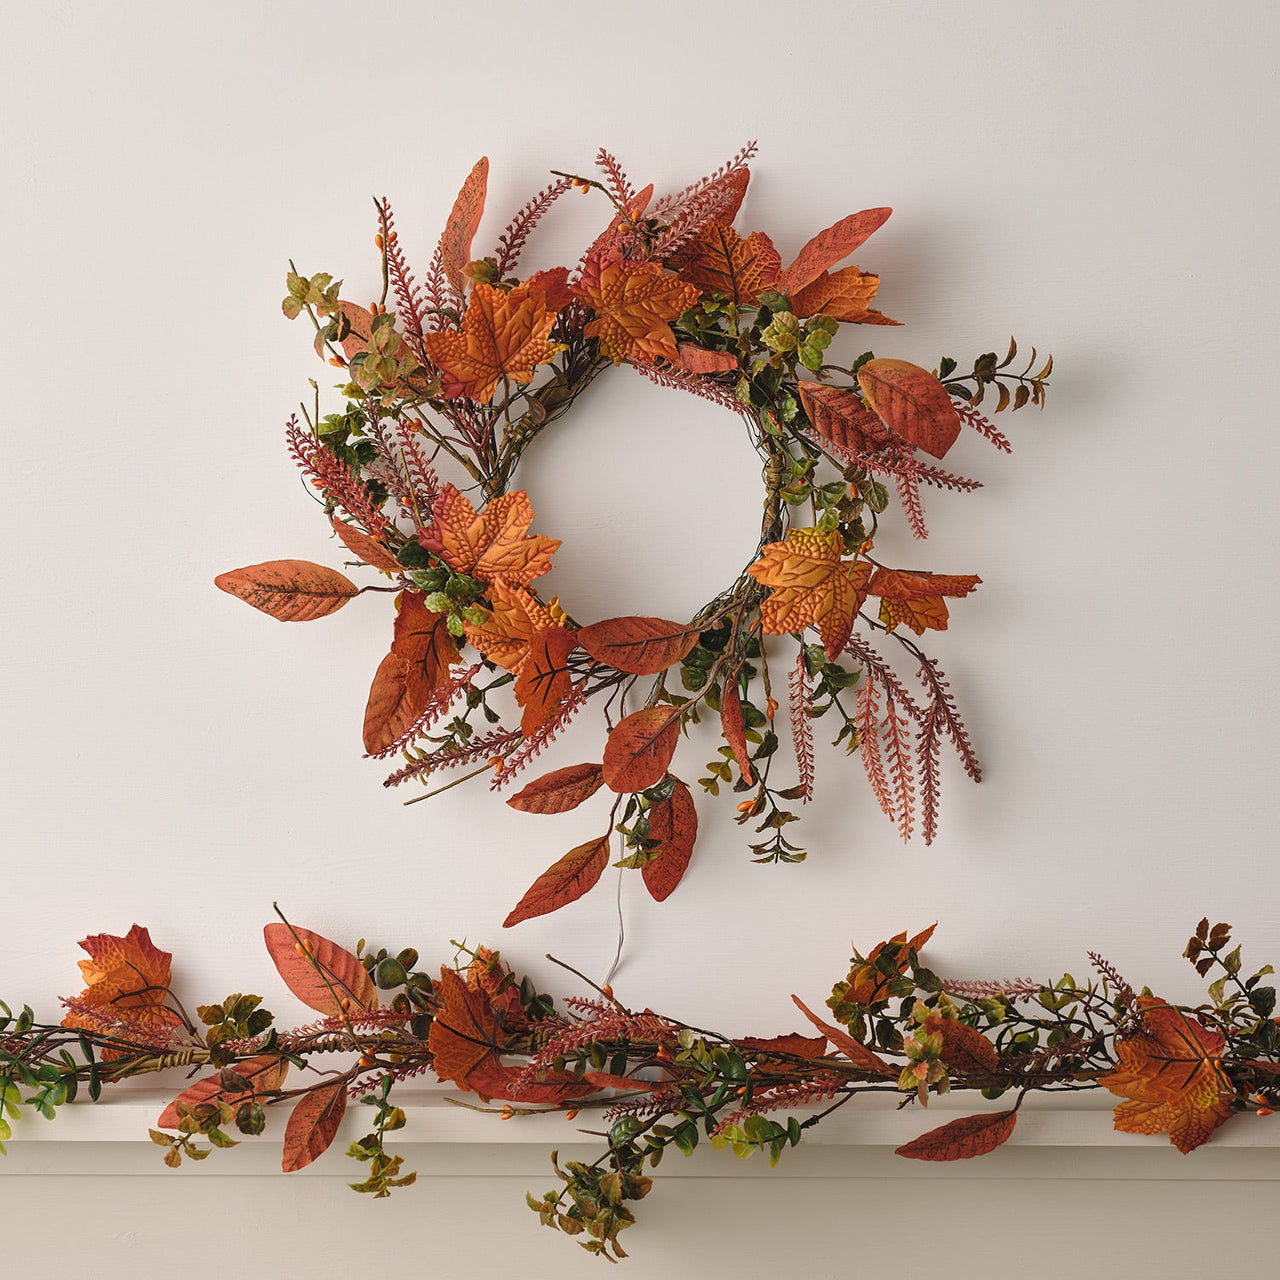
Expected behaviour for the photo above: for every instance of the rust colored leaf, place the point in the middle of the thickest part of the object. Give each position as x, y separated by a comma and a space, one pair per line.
965, 1050
360, 328
289, 590
636, 645
838, 415
370, 550
514, 620
265, 1074
498, 1081
544, 682
463, 1035
720, 261
674, 824
870, 981
464, 221
793, 1043
962, 1139
912, 402
563, 882
829, 247
422, 651
843, 295
492, 544
812, 585
313, 1125
734, 730
504, 335
640, 748
917, 598
857, 1053
323, 975
634, 304
1171, 1072
560, 790
695, 359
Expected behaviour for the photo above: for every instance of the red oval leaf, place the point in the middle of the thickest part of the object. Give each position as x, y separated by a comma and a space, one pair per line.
563, 882
638, 646
838, 415
370, 550
464, 221
965, 1050
829, 247
289, 590
266, 1074
696, 359
735, 731
962, 1139
501, 1082
912, 402
640, 748
320, 973
559, 791
313, 1125
674, 824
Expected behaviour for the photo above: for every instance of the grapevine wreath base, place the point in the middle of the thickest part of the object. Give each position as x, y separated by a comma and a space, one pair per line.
891, 1026
468, 368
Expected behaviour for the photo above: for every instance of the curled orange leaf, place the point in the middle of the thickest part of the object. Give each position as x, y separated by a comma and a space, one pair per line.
843, 295
515, 618
829, 247
917, 598
370, 550
912, 402
464, 221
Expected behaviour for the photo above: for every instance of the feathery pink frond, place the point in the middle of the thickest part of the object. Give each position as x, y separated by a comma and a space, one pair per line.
534, 744
983, 425
481, 747
333, 478
802, 726
512, 241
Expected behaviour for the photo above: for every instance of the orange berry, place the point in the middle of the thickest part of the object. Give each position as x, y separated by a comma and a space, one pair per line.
366, 1060
745, 805
507, 1113
608, 991
1266, 1111
571, 1114
378, 241
495, 763
771, 707
337, 364
346, 1005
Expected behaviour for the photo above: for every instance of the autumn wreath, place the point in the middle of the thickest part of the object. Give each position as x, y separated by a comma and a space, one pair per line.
475, 362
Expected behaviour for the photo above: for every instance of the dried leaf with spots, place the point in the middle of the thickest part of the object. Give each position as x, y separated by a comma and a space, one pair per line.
492, 544
323, 975
843, 295
811, 585
563, 882
560, 790
917, 598
544, 683
515, 618
265, 1074
720, 261
962, 1139
829, 247
634, 304
912, 402
289, 590
857, 1053
965, 1050
313, 1125
695, 359
637, 645
673, 823
464, 221
1170, 1070
368, 549
422, 651
838, 415
508, 1083
734, 728
639, 749
504, 336
793, 1044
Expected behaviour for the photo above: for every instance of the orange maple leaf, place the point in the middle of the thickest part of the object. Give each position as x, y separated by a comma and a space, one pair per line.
917, 598
811, 586
513, 621
843, 295
129, 974
719, 260
504, 335
1171, 1073
634, 304
491, 544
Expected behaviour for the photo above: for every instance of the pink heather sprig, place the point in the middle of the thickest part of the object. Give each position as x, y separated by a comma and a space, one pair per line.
530, 748
983, 425
479, 748
802, 726
335, 479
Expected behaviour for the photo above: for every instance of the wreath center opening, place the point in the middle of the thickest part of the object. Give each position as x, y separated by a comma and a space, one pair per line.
655, 494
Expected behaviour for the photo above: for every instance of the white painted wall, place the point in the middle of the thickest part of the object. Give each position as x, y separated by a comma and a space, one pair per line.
1097, 179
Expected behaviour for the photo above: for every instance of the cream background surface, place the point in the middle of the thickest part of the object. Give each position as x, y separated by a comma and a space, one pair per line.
1093, 178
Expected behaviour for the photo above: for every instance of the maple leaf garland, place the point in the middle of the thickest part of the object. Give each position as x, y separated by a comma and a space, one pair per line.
477, 362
